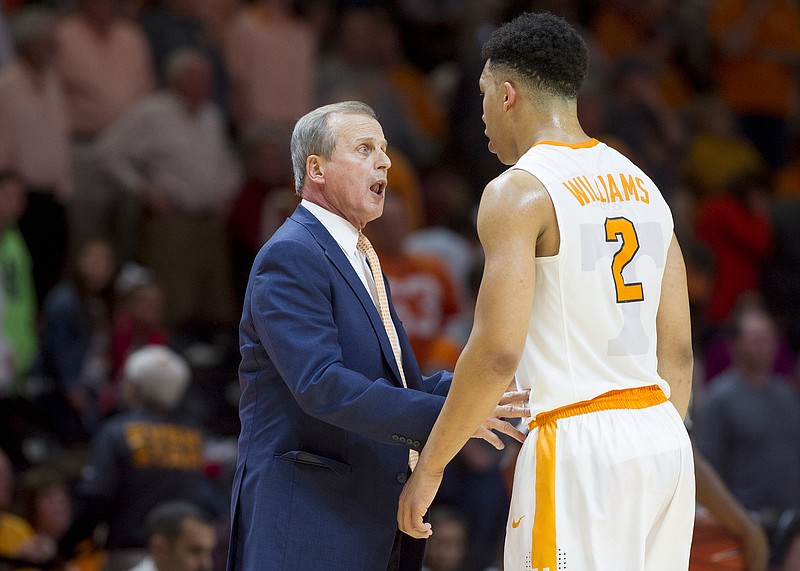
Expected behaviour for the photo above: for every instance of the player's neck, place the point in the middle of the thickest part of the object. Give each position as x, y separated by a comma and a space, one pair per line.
559, 127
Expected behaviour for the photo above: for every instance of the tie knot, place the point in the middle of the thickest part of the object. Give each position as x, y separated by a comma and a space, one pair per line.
363, 245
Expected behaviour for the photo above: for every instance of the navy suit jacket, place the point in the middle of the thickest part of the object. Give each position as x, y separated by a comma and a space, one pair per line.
326, 422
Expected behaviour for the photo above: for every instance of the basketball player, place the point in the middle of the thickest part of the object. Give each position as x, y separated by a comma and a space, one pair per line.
584, 298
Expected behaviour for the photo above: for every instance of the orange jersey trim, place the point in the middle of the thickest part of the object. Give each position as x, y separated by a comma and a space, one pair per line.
585, 145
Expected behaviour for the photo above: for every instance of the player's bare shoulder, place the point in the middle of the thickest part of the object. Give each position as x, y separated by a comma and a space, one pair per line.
518, 201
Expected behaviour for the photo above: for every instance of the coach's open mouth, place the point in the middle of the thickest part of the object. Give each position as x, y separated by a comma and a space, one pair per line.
379, 187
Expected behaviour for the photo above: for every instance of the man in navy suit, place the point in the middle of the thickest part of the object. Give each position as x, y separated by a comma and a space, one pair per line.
328, 417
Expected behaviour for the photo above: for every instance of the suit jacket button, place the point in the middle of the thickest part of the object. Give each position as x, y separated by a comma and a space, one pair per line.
395, 437
401, 478
403, 439
416, 444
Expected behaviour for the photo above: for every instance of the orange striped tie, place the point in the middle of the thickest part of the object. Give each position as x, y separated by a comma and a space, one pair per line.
364, 246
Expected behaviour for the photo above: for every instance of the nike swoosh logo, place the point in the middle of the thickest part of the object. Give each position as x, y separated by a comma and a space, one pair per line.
515, 522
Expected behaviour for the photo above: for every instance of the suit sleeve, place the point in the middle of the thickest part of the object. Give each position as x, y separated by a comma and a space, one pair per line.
293, 316
438, 383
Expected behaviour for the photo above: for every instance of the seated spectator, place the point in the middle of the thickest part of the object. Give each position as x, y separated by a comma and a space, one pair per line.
44, 500
423, 292
104, 64
448, 550
749, 425
172, 151
178, 24
736, 227
642, 119
781, 278
718, 153
446, 349
75, 343
415, 91
757, 49
18, 540
180, 538
266, 198
717, 356
18, 337
139, 459
138, 321
449, 230
787, 179
34, 142
352, 69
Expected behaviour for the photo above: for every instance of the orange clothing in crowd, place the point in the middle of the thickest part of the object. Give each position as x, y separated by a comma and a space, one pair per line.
403, 182
103, 74
424, 296
413, 86
34, 137
753, 82
272, 64
619, 30
14, 533
713, 162
787, 180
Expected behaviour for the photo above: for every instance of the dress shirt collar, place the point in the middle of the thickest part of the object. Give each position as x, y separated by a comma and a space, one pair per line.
345, 234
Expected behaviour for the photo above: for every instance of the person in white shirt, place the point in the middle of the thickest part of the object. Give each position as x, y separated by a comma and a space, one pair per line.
173, 152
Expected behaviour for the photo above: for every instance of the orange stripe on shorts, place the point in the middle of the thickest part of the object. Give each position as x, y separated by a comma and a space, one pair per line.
543, 537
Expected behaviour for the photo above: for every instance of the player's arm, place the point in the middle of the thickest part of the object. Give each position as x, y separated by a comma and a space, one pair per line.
673, 325
715, 496
509, 222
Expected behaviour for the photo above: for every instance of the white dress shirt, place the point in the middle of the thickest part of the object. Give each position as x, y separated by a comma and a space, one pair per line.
346, 235
187, 156
147, 564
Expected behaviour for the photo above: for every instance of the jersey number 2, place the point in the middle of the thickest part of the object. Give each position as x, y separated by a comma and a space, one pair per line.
622, 230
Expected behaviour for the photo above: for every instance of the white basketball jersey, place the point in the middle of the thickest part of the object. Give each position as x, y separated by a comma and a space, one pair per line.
593, 323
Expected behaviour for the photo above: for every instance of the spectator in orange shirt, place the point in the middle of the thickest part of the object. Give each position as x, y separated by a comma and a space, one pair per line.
423, 292
757, 43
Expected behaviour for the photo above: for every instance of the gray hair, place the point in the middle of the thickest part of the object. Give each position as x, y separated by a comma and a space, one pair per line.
313, 135
158, 375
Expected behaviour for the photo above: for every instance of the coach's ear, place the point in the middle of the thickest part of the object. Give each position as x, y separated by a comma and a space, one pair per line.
315, 168
510, 95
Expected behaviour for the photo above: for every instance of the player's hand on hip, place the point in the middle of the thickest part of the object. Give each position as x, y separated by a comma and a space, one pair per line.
513, 404
415, 499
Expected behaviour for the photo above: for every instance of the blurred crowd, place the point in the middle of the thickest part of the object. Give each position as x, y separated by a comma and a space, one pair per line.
144, 160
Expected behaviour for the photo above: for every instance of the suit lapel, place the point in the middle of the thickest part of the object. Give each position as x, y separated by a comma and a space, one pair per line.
338, 259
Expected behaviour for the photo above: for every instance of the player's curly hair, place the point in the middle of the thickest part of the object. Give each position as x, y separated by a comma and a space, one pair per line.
543, 50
